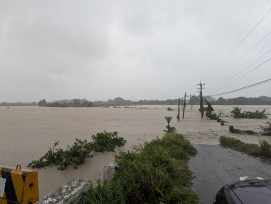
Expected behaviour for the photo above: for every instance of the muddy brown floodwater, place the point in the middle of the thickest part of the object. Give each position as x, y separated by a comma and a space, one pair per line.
26, 133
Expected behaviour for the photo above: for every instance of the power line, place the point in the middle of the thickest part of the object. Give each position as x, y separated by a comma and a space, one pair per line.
249, 50
243, 88
232, 78
239, 44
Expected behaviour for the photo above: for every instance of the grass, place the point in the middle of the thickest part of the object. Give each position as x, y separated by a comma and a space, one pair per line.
263, 150
236, 113
238, 131
77, 153
154, 172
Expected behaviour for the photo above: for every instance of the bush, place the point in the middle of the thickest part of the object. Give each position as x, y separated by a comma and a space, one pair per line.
104, 192
266, 130
233, 130
229, 142
106, 141
169, 109
262, 150
77, 153
156, 172
171, 130
238, 131
265, 148
74, 155
236, 113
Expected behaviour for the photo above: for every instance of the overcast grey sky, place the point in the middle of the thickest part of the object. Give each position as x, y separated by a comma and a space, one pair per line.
140, 49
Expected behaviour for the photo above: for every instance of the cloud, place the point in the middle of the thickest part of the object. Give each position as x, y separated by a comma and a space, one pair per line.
133, 49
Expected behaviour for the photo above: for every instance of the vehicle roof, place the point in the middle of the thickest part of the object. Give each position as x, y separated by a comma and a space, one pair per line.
252, 191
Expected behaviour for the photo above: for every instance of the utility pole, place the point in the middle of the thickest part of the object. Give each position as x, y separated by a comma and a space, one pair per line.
184, 104
179, 104
190, 102
201, 98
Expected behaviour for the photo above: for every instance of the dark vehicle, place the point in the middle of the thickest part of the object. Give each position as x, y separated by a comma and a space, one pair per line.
245, 192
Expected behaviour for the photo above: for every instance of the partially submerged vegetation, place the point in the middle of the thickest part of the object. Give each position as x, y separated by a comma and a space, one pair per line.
266, 130
169, 109
212, 116
80, 150
106, 141
263, 150
238, 131
156, 172
236, 113
172, 130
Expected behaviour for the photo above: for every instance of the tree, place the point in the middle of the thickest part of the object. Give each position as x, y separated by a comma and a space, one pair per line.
42, 102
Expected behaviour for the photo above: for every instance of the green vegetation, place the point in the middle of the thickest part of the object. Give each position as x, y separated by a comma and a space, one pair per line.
238, 131
63, 104
262, 100
169, 109
213, 116
156, 172
266, 130
170, 130
77, 153
236, 113
106, 141
263, 150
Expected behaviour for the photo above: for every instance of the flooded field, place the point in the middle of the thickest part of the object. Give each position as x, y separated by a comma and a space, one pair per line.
27, 132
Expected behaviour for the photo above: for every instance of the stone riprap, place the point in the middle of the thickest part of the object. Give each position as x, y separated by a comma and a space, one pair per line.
68, 193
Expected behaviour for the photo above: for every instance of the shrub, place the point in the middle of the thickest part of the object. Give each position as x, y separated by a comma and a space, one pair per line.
266, 130
106, 141
169, 109
155, 172
229, 142
265, 148
236, 113
249, 132
262, 150
238, 131
171, 130
74, 155
104, 192
77, 153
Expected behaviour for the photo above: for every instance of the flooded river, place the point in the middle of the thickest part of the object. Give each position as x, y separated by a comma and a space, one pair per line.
27, 133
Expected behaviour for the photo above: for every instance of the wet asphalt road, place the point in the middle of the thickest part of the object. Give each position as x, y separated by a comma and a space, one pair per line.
215, 166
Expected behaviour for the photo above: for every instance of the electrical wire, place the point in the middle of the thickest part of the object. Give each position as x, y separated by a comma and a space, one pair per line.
232, 78
243, 88
238, 45
236, 61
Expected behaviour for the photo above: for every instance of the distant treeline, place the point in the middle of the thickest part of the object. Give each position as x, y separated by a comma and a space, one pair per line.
121, 102
18, 104
67, 103
194, 100
262, 100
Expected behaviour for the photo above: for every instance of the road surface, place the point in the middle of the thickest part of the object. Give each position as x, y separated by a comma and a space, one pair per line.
215, 166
